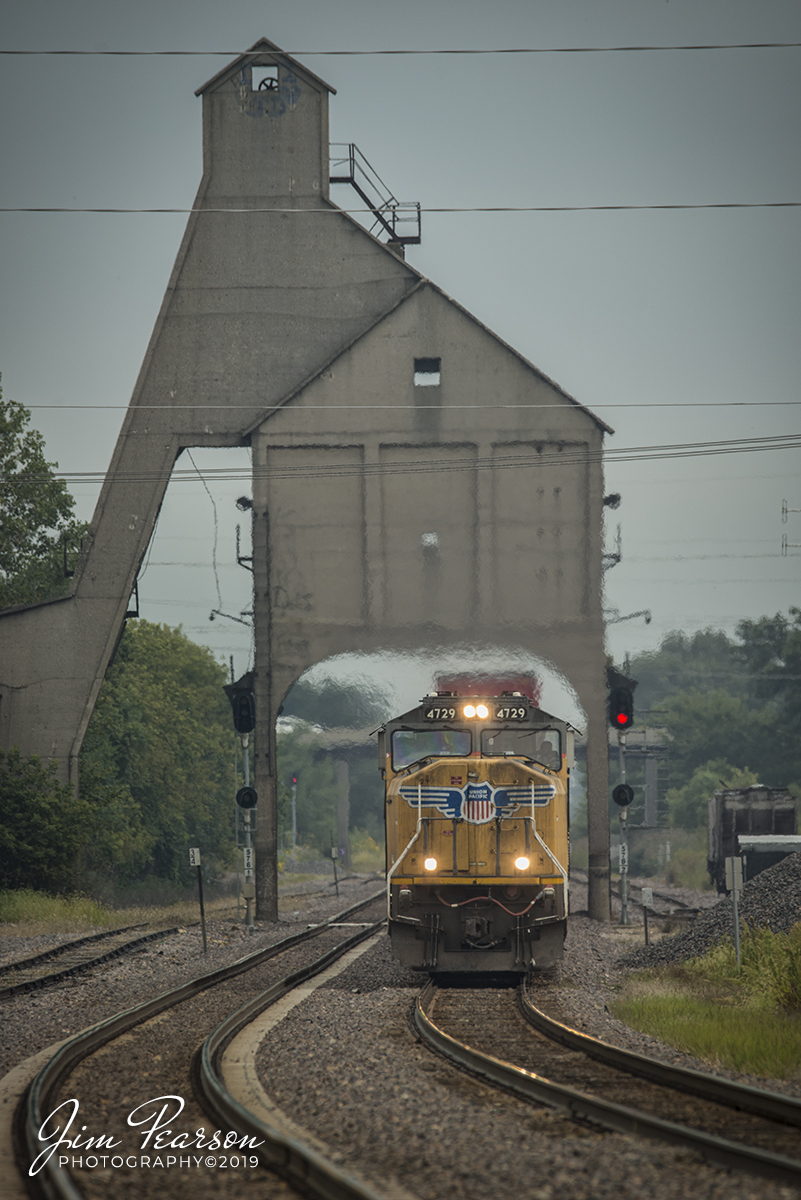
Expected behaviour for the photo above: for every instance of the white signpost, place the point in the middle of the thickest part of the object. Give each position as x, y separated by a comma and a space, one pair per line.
734, 884
194, 861
647, 902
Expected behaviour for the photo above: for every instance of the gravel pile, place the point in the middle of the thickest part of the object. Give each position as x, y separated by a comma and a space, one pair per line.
772, 899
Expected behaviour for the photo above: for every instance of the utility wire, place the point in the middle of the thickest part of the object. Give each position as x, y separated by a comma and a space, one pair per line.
630, 558
504, 208
570, 455
411, 53
216, 529
152, 543
268, 408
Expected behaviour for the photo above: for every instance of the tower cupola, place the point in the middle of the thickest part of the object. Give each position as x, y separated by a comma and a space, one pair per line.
265, 129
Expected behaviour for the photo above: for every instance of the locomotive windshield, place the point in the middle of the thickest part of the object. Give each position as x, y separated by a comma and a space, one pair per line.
410, 745
542, 745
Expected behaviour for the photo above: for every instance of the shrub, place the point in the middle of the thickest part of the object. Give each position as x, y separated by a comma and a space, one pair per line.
44, 826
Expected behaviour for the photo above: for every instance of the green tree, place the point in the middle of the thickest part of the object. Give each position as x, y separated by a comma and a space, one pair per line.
709, 725
367, 796
301, 752
341, 704
706, 661
737, 699
35, 513
158, 756
43, 829
688, 804
770, 648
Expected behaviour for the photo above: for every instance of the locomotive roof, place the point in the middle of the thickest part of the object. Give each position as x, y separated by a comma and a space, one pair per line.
537, 715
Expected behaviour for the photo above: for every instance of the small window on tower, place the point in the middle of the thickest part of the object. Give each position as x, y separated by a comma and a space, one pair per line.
427, 372
265, 79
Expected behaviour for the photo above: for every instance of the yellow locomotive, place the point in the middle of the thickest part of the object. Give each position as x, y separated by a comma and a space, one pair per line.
476, 810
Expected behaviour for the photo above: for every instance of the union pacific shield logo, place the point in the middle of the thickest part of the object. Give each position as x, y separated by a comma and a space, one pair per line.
478, 806
478, 802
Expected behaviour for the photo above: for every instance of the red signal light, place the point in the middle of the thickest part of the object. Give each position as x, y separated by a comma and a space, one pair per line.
621, 708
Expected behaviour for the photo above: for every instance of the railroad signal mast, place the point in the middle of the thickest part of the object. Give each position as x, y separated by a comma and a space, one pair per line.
621, 718
243, 707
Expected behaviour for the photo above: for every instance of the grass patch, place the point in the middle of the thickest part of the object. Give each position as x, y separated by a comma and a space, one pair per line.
58, 914
688, 868
27, 913
366, 854
746, 1019
739, 1038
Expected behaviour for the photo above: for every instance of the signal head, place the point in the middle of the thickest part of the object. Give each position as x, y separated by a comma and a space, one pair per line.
247, 797
621, 708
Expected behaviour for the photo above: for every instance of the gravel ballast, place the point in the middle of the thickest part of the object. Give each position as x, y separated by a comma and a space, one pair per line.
346, 1064
387, 1104
32, 1021
770, 900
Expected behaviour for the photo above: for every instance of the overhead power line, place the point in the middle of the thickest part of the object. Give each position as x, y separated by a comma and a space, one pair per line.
630, 558
268, 408
216, 526
412, 52
478, 208
569, 454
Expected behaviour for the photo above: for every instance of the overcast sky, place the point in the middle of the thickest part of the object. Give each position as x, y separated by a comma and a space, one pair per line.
674, 327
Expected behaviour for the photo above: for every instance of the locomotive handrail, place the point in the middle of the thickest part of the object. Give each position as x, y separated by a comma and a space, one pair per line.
401, 857
549, 852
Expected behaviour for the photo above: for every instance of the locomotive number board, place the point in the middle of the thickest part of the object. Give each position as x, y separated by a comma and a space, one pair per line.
487, 710
511, 712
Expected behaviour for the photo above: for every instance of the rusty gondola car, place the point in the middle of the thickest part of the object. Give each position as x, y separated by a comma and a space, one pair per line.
476, 809
757, 814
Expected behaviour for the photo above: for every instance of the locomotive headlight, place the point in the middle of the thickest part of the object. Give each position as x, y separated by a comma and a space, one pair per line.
522, 863
430, 864
482, 711
469, 710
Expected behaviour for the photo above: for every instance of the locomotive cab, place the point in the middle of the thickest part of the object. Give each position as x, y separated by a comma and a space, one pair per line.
476, 810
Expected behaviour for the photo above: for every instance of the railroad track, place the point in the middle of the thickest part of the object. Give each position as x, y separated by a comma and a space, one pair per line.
80, 954
288, 1153
551, 1064
71, 958
670, 905
94, 1067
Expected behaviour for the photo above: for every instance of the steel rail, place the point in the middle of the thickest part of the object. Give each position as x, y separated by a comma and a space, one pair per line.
680, 907
288, 1156
19, 964
77, 968
52, 1181
755, 1100
582, 1107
